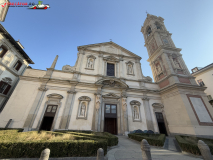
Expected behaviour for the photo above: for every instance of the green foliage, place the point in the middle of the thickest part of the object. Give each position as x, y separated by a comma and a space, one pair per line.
152, 139
111, 139
190, 144
15, 144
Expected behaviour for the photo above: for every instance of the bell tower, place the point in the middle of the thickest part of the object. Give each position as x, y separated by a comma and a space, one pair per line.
184, 101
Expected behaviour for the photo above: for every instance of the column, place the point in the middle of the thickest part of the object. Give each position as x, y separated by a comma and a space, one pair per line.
35, 107
97, 113
125, 114
148, 114
67, 110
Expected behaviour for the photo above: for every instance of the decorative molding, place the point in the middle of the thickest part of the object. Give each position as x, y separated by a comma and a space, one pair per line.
145, 98
90, 62
111, 95
7, 80
112, 82
42, 88
55, 96
157, 107
134, 102
71, 92
84, 98
130, 68
68, 68
111, 59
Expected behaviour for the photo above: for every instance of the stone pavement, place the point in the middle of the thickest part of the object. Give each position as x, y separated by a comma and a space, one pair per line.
128, 149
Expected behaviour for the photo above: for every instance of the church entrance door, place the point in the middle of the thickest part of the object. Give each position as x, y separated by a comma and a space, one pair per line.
161, 124
48, 118
110, 118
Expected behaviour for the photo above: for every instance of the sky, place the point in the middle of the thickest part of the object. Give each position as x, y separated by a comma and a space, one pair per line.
71, 23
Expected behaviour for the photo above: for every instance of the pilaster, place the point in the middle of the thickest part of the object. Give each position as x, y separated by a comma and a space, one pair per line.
149, 120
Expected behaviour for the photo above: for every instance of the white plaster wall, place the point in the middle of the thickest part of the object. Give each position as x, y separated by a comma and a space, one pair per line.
133, 84
58, 74
207, 77
88, 79
34, 73
136, 125
152, 85
19, 104
82, 124
43, 105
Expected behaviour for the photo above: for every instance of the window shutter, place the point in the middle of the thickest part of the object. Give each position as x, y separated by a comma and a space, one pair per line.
7, 89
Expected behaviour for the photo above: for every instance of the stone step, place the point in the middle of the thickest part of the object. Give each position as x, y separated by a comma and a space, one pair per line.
171, 144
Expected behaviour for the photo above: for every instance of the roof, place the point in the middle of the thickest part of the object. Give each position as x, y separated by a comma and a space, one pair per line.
202, 69
15, 44
111, 43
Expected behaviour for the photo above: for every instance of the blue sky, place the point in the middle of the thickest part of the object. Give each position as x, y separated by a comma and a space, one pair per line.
71, 23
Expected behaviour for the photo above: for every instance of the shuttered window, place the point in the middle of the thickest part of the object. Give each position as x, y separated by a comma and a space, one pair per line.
18, 65
3, 51
4, 87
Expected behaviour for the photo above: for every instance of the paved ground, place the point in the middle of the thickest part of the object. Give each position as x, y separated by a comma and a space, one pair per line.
128, 149
171, 144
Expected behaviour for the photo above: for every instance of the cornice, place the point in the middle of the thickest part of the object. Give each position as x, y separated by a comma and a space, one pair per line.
162, 49
108, 43
181, 86
177, 75
119, 55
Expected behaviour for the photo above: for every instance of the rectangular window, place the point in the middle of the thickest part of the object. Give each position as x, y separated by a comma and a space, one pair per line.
3, 51
18, 65
4, 87
200, 82
110, 69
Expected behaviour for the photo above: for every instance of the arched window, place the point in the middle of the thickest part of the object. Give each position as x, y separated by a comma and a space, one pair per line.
3, 51
148, 31
158, 25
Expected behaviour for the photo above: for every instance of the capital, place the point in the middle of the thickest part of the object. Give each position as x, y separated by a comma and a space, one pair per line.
42, 89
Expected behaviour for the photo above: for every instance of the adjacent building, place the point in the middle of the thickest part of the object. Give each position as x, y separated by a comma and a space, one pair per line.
3, 9
106, 91
204, 77
13, 62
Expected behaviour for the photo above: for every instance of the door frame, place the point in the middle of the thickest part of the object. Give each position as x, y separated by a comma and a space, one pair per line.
119, 114
111, 115
49, 116
47, 103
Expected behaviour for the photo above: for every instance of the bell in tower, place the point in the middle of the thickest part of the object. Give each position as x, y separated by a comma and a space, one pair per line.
186, 105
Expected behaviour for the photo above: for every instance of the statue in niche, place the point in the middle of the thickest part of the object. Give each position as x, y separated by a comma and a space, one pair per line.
90, 63
177, 65
83, 110
159, 69
136, 114
129, 69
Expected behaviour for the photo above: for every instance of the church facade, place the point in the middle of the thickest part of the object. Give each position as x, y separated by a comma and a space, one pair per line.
106, 91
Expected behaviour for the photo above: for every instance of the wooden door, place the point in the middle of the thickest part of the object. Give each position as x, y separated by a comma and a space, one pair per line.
110, 118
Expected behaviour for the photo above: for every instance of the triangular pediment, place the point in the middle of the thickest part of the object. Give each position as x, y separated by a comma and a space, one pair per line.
109, 47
